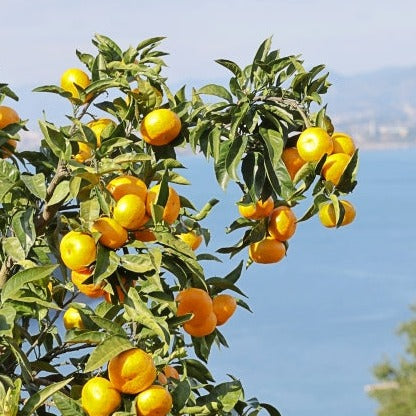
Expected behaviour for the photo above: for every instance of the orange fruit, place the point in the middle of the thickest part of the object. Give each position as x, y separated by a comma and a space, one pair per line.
145, 234
77, 250
258, 210
72, 319
267, 251
160, 127
120, 291
8, 149
168, 372
334, 167
89, 289
129, 211
282, 223
224, 307
203, 329
191, 238
113, 235
172, 206
8, 116
99, 397
154, 401
196, 301
72, 77
313, 143
327, 214
127, 184
132, 371
84, 149
98, 126
343, 143
292, 161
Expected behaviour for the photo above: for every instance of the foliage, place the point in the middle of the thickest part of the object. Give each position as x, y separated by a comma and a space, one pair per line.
397, 382
46, 193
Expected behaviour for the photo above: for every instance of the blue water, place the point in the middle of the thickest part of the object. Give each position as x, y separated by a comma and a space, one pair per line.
326, 314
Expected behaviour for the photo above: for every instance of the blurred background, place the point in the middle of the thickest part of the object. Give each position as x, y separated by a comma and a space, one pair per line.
325, 315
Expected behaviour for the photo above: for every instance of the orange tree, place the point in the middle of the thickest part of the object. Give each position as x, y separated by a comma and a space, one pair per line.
105, 307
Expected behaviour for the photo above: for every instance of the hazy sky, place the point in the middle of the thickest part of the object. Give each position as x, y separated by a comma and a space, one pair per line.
39, 38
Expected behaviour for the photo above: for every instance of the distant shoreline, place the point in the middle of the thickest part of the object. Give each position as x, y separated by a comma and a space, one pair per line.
385, 146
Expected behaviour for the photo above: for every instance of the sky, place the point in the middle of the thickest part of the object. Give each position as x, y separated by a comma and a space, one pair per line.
39, 38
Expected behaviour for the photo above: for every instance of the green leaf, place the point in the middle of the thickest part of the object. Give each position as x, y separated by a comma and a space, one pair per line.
67, 406
232, 66
7, 317
106, 263
60, 193
24, 228
105, 351
216, 90
36, 184
235, 153
139, 312
139, 263
220, 165
89, 210
180, 395
55, 139
36, 400
16, 282
13, 248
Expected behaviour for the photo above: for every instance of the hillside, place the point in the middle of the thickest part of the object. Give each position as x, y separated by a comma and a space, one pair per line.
377, 108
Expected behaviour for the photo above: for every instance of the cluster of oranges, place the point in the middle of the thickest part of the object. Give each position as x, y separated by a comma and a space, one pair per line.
281, 227
207, 313
8, 116
312, 144
132, 372
132, 210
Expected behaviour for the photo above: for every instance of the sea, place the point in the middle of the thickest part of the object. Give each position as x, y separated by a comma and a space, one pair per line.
325, 315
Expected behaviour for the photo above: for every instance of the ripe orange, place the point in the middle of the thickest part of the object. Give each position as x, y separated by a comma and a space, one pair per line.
72, 319
258, 210
203, 329
267, 251
196, 301
8, 116
145, 234
160, 127
191, 238
313, 143
113, 235
99, 397
78, 250
98, 126
334, 167
282, 223
89, 289
127, 184
74, 76
343, 143
132, 371
84, 150
168, 372
120, 291
327, 214
292, 161
154, 401
172, 206
224, 307
129, 211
